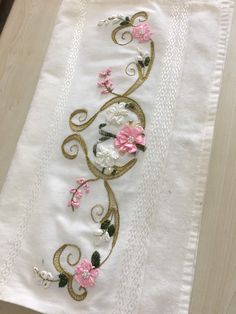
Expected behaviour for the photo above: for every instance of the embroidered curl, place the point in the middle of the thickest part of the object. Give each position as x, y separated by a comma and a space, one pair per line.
122, 133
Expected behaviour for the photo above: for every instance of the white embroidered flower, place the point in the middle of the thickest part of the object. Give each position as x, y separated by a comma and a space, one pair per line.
106, 156
44, 277
106, 237
98, 232
114, 19
143, 57
101, 237
117, 114
142, 53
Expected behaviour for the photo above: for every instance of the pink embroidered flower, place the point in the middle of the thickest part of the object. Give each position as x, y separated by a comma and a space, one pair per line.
77, 193
86, 274
105, 73
85, 186
106, 82
80, 180
74, 202
130, 138
142, 32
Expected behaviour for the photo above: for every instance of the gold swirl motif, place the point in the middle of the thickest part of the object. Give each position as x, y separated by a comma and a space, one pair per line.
112, 213
118, 170
142, 77
72, 144
97, 211
123, 36
76, 296
58, 266
134, 105
81, 115
58, 254
132, 69
113, 210
127, 34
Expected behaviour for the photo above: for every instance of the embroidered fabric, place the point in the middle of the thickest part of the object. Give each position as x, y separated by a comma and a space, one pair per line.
153, 165
124, 285
127, 140
28, 207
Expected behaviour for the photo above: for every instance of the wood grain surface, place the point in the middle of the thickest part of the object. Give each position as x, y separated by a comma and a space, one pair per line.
5, 7
23, 45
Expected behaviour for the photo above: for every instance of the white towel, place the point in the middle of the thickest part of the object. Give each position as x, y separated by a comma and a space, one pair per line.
146, 153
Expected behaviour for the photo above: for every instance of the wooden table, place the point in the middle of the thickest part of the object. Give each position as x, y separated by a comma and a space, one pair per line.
23, 45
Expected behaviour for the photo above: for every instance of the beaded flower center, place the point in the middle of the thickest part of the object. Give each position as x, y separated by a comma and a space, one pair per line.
85, 274
130, 139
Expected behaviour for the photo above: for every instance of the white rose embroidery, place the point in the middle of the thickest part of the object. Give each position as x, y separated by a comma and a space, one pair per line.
101, 237
106, 157
117, 114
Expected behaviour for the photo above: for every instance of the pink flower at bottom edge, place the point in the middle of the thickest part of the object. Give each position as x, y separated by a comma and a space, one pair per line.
128, 138
86, 274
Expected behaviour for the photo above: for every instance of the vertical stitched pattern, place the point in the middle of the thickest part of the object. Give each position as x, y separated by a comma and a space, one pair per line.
135, 254
6, 267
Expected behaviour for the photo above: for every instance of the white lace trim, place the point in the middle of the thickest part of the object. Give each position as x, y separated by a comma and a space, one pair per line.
135, 254
47, 155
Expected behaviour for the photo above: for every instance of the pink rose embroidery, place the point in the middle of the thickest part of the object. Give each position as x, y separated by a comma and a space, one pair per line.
130, 138
142, 32
86, 274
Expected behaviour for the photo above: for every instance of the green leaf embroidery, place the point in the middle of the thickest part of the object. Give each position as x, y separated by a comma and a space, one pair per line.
141, 63
95, 259
105, 224
63, 280
111, 230
147, 61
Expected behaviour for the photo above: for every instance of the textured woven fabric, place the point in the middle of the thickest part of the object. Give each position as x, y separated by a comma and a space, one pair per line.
151, 267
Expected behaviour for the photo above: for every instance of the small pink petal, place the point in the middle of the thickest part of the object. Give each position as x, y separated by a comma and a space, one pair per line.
100, 84
105, 73
86, 264
140, 140
105, 91
79, 196
80, 180
91, 281
94, 272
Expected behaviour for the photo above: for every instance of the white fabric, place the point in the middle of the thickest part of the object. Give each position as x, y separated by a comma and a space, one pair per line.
160, 199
